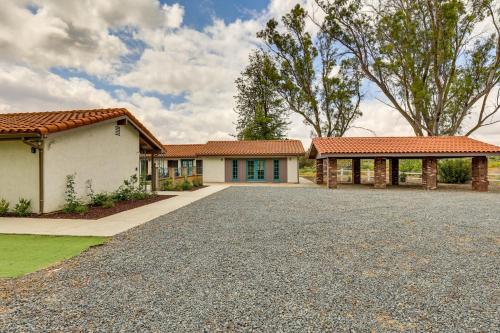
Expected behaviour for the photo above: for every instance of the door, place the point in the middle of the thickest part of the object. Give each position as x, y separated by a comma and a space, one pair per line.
256, 170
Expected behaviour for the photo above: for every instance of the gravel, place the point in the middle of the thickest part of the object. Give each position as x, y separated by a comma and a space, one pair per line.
282, 259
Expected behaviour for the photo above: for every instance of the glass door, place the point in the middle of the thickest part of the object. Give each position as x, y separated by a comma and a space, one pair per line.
256, 170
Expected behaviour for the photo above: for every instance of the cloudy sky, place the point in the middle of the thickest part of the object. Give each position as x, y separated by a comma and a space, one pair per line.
172, 63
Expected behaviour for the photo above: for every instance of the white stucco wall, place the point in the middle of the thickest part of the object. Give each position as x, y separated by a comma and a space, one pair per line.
292, 166
18, 173
213, 169
92, 152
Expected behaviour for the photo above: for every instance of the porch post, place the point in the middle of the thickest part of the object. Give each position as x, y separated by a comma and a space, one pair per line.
480, 174
356, 170
153, 173
394, 171
380, 172
319, 171
429, 173
332, 172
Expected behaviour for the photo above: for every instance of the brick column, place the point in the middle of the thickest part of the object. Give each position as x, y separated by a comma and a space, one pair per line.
356, 171
480, 174
394, 171
332, 172
379, 168
429, 173
319, 172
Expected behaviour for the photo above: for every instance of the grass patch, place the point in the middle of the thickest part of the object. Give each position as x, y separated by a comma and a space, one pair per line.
22, 254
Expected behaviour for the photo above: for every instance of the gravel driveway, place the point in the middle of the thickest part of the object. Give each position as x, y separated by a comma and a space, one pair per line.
282, 259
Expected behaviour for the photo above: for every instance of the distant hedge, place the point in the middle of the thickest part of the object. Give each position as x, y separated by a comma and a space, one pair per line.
454, 171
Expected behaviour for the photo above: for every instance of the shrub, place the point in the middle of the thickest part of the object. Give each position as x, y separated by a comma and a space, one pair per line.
167, 185
402, 177
99, 199
4, 207
186, 185
109, 203
454, 171
130, 190
73, 205
178, 187
23, 207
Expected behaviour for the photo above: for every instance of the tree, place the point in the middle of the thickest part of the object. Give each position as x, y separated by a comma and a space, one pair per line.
313, 79
427, 57
261, 111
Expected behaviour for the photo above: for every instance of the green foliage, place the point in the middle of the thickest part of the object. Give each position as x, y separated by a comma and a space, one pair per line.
261, 111
108, 203
186, 185
454, 171
426, 57
315, 79
130, 190
402, 177
306, 162
178, 187
4, 207
410, 165
23, 207
100, 198
167, 185
72, 204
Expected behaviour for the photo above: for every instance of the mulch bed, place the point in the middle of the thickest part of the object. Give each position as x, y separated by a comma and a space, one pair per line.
95, 213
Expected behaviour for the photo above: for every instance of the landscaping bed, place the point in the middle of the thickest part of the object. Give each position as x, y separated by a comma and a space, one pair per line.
97, 212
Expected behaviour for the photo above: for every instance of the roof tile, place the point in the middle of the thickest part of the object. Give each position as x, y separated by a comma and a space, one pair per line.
56, 121
401, 145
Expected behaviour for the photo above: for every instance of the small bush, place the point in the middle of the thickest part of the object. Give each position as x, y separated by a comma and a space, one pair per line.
402, 177
23, 207
4, 207
73, 205
178, 187
130, 190
99, 199
186, 185
454, 171
109, 203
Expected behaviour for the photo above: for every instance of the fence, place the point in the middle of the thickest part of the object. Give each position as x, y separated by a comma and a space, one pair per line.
345, 176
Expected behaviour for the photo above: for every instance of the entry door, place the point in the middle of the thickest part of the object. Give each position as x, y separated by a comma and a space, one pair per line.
256, 170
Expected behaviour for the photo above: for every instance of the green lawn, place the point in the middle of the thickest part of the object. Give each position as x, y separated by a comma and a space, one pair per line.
22, 254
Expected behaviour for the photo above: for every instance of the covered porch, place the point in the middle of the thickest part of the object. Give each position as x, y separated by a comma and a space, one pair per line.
386, 154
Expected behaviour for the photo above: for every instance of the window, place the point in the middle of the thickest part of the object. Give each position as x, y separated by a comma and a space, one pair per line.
235, 169
276, 169
117, 130
199, 167
187, 167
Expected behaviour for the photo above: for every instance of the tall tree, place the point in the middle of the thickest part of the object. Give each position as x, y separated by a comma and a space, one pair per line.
261, 110
428, 57
313, 79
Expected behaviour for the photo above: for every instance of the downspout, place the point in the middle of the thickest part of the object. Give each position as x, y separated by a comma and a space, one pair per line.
40, 178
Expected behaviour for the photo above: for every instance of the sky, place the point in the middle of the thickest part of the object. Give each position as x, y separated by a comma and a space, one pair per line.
171, 63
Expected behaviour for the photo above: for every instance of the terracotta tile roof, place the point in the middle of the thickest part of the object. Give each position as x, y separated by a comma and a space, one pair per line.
55, 121
253, 148
400, 145
183, 151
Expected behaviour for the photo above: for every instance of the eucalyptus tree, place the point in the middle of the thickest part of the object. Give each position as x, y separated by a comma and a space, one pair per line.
313, 79
436, 61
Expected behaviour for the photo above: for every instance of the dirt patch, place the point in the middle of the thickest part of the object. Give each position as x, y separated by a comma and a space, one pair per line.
95, 213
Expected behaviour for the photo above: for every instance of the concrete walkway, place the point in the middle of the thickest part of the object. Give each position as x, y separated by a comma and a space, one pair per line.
107, 226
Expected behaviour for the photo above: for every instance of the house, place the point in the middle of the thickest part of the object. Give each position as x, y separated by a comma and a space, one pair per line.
389, 150
237, 161
38, 150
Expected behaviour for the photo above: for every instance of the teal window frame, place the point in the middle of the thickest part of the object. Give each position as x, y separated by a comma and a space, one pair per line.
189, 166
234, 170
255, 176
276, 170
